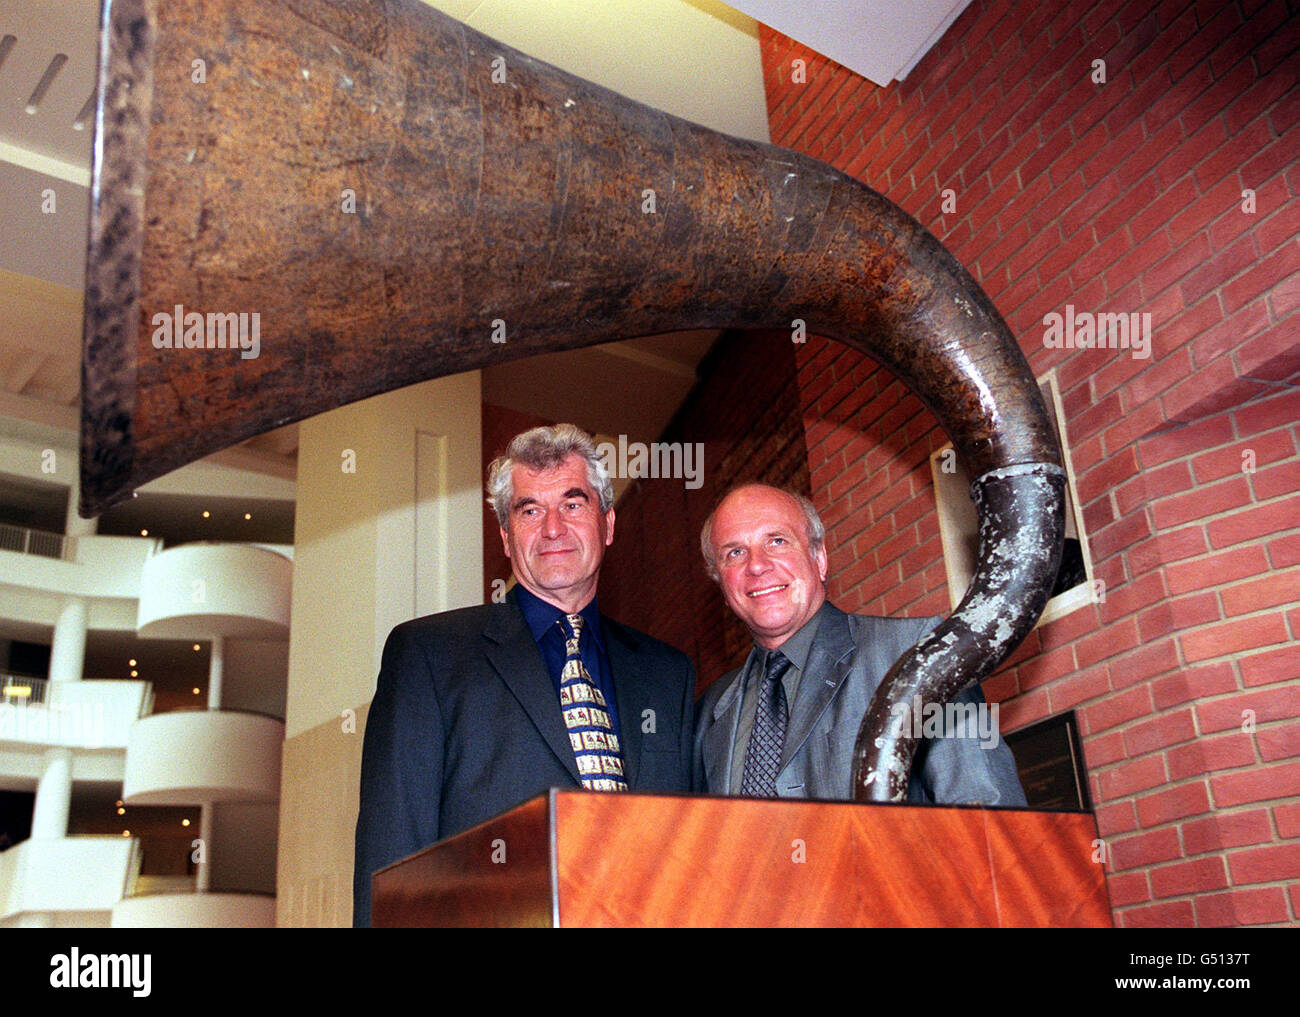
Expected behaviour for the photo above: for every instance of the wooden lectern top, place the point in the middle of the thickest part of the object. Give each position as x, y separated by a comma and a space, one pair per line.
577, 858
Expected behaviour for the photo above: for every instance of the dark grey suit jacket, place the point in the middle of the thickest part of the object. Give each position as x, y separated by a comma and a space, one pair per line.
466, 724
848, 660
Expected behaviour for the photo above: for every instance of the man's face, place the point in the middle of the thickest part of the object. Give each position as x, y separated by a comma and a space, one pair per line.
770, 577
557, 534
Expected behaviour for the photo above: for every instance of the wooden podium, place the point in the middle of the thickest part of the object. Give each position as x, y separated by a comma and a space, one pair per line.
575, 858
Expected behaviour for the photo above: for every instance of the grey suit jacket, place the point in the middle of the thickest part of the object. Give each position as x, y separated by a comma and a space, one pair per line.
465, 724
848, 660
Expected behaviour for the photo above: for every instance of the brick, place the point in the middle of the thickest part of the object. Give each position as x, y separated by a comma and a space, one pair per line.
1285, 551
1216, 569
1181, 613
1144, 849
1277, 481
1282, 410
1233, 637
1198, 875
1079, 688
1185, 440
1208, 500
1174, 914
1121, 534
1254, 523
1282, 664
1256, 595
1265, 864
1232, 459
1165, 548
1115, 817
1142, 665
1226, 829
1266, 905
1259, 279
1211, 755
1160, 732
1266, 704
1193, 683
1131, 777
1258, 784
1278, 741
1102, 750
1128, 888
1287, 818
1174, 803
1047, 667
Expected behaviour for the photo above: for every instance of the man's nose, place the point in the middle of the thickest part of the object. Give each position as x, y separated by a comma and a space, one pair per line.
552, 524
758, 562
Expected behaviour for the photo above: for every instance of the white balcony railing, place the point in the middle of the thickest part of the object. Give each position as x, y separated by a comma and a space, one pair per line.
39, 542
92, 714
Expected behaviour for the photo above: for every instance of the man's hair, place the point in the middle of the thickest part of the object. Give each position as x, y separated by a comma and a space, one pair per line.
816, 532
545, 448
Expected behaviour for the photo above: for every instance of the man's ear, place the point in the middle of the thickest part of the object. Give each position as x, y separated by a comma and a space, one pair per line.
609, 527
505, 540
821, 562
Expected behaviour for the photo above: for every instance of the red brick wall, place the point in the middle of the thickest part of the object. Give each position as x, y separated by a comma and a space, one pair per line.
745, 411
1122, 196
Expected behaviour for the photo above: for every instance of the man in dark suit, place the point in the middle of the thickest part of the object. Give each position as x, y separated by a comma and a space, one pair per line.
785, 724
480, 709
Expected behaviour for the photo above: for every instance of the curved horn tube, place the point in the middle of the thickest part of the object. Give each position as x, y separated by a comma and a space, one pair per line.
492, 191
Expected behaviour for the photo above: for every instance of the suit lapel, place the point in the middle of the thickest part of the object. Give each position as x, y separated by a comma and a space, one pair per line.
630, 679
720, 737
829, 663
514, 655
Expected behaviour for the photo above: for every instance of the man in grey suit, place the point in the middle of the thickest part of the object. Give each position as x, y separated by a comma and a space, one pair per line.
480, 709
785, 724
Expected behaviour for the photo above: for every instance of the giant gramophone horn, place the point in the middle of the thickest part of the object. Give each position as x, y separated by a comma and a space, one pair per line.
497, 197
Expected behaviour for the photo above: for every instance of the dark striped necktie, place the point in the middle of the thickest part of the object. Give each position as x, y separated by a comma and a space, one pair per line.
586, 715
767, 737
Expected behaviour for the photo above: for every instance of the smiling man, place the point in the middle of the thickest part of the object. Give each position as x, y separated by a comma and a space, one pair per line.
785, 724
480, 709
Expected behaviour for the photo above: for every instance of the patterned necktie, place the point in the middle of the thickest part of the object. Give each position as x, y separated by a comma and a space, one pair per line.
595, 746
763, 757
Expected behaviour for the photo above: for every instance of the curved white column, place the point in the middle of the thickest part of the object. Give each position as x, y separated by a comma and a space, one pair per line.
68, 652
53, 796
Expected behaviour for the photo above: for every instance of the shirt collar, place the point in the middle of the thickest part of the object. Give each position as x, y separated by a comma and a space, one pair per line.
540, 617
797, 648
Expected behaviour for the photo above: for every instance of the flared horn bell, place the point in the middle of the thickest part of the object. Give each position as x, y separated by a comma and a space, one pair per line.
357, 197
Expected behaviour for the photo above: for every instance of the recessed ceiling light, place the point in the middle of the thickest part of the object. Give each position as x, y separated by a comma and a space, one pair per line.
185, 822
121, 811
248, 515
131, 663
126, 833
206, 514
135, 673
144, 533
196, 647
196, 692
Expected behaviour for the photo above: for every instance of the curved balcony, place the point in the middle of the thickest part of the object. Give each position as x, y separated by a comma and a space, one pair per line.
196, 911
195, 757
235, 590
84, 874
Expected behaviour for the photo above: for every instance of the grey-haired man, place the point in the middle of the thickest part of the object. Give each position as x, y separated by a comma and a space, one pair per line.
480, 709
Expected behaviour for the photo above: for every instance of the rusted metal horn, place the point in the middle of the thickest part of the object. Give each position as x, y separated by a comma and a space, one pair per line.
490, 192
